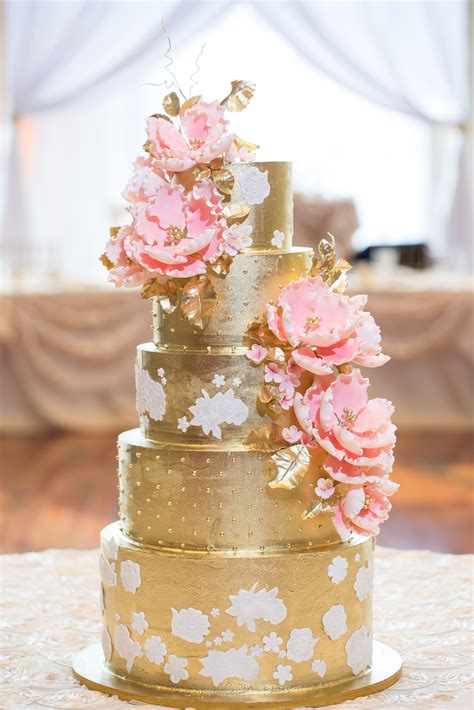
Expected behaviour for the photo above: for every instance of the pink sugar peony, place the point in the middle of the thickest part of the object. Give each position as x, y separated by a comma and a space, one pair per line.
343, 421
124, 272
364, 508
370, 468
325, 328
147, 178
202, 139
177, 232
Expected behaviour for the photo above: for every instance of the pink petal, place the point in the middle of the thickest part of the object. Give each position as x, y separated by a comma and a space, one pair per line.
307, 360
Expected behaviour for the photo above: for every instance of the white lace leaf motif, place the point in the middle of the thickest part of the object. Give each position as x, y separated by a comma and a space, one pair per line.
151, 398
222, 408
126, 647
250, 605
359, 650
234, 663
254, 185
189, 624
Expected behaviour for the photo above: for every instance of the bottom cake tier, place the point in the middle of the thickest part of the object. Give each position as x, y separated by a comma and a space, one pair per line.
233, 628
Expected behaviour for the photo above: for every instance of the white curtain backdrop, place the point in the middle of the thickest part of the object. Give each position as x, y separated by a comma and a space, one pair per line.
59, 52
411, 57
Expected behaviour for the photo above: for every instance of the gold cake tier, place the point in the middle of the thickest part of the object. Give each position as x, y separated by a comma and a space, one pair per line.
236, 627
254, 279
275, 213
185, 375
212, 498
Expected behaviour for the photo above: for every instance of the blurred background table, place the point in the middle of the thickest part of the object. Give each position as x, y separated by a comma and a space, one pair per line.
51, 604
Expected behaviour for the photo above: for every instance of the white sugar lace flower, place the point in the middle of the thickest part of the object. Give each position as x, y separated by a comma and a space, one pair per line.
215, 612
236, 381
164, 380
363, 581
208, 644
249, 605
126, 647
282, 674
272, 643
106, 644
335, 621
337, 570
357, 557
218, 380
176, 669
160, 372
222, 408
155, 650
319, 667
189, 624
282, 653
151, 397
130, 576
359, 650
277, 239
107, 572
227, 635
256, 650
254, 185
110, 547
218, 641
300, 645
183, 424
139, 622
234, 663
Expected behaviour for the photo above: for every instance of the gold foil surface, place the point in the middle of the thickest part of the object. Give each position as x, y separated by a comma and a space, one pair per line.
212, 498
214, 586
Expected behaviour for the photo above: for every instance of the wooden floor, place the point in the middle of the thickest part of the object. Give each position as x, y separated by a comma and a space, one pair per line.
59, 491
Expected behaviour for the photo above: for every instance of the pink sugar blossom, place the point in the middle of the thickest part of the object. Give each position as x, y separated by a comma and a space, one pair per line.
177, 232
273, 373
202, 138
291, 434
324, 488
343, 421
147, 178
236, 238
364, 508
286, 400
257, 353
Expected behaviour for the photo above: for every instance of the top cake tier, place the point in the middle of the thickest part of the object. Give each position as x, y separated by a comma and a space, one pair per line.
256, 273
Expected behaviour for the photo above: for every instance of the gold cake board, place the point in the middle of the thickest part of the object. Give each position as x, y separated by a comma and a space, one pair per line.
89, 668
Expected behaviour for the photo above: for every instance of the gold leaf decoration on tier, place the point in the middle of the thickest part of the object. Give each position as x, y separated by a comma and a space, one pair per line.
289, 466
197, 299
331, 269
263, 437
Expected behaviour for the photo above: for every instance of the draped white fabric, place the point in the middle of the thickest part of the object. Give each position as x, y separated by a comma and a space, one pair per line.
59, 52
411, 57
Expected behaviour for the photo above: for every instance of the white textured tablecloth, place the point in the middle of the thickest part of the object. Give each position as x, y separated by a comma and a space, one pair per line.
422, 607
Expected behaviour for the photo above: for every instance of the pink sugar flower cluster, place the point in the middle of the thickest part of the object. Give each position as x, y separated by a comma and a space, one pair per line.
175, 232
326, 336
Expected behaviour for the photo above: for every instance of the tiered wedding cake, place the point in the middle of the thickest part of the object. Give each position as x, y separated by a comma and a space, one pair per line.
241, 569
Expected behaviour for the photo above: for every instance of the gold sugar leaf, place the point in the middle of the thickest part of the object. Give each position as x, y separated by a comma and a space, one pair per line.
222, 265
189, 103
201, 172
223, 180
197, 300
317, 508
264, 438
171, 104
289, 466
333, 271
251, 147
259, 332
104, 259
113, 231
165, 293
241, 93
216, 163
236, 214
161, 115
148, 147
266, 394
277, 355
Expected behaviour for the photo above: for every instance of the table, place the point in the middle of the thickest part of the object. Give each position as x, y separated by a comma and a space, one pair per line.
422, 607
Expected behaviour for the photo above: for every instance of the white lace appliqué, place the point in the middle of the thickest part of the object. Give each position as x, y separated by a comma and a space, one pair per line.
335, 622
139, 622
107, 572
319, 667
106, 643
337, 570
254, 186
126, 647
277, 239
300, 645
176, 669
155, 650
249, 606
189, 624
130, 576
222, 408
110, 547
363, 581
234, 663
359, 650
151, 398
